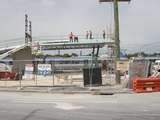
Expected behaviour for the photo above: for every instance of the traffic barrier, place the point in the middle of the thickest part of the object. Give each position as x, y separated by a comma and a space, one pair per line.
143, 85
6, 75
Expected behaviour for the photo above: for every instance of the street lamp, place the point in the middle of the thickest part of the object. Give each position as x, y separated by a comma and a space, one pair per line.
116, 32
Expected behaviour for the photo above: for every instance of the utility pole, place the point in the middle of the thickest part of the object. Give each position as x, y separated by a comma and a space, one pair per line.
116, 34
116, 27
117, 40
30, 31
26, 29
28, 35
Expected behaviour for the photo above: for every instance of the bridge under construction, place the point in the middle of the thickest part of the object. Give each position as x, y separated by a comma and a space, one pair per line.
52, 43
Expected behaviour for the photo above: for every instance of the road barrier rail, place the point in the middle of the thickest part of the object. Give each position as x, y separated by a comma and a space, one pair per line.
143, 85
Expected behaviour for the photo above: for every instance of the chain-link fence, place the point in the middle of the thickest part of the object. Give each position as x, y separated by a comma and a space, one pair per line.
54, 72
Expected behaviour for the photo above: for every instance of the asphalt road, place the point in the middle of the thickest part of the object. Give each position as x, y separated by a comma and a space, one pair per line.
43, 106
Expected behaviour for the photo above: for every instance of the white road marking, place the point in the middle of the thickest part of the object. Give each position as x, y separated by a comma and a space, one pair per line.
145, 110
67, 106
58, 104
2, 111
61, 101
53, 101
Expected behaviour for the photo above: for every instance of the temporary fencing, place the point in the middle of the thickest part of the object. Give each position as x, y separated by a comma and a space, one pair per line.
143, 85
40, 72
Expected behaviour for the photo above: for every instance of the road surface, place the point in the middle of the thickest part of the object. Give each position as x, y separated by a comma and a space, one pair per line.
44, 106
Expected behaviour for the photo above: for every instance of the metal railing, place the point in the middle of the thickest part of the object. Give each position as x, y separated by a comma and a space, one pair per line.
10, 43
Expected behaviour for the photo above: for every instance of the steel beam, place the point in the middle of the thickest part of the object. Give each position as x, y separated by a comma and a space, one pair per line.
113, 0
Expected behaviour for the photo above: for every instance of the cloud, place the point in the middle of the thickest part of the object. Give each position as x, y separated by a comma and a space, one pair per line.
139, 20
48, 2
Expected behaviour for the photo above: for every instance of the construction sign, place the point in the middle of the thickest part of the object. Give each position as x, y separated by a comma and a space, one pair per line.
28, 74
44, 69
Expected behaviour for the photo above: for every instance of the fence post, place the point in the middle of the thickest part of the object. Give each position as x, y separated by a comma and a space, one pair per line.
52, 73
36, 71
6, 80
19, 77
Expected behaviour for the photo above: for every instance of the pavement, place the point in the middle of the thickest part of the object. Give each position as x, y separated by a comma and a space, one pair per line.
47, 106
68, 89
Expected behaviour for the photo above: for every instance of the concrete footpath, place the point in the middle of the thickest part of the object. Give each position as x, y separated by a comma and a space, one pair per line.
100, 90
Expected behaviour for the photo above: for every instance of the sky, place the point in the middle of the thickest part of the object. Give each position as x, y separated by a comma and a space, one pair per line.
139, 20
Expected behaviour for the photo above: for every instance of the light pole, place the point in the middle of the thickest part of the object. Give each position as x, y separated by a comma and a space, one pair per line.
28, 35
116, 33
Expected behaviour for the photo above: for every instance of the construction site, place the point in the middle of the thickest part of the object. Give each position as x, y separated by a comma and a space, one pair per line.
98, 61
79, 60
